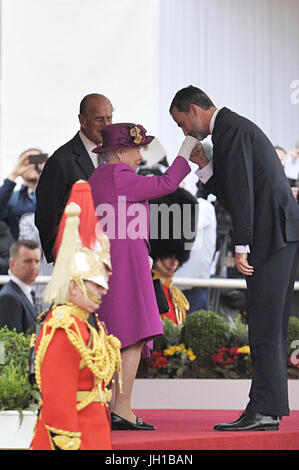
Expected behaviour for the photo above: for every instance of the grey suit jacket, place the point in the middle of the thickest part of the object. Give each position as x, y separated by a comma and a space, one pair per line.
16, 311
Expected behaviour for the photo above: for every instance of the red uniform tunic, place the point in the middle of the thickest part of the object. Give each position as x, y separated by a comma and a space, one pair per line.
177, 302
61, 377
171, 315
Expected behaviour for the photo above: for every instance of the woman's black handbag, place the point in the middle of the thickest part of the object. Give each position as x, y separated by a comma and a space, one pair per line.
160, 296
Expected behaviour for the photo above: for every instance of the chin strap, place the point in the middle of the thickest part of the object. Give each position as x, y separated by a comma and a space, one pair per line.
80, 283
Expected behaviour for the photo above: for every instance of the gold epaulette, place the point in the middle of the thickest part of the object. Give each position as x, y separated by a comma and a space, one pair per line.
181, 304
43, 315
179, 300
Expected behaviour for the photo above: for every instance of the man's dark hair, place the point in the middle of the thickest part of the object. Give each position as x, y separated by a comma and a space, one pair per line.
190, 95
15, 247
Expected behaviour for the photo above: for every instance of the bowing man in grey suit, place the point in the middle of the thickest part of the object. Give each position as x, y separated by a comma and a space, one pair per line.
17, 300
248, 179
71, 162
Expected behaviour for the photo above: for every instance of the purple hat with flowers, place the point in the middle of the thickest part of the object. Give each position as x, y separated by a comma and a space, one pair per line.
123, 134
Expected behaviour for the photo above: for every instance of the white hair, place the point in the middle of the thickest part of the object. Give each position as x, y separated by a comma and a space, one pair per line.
109, 156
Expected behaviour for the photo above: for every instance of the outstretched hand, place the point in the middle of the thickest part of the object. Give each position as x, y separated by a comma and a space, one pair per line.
187, 146
198, 156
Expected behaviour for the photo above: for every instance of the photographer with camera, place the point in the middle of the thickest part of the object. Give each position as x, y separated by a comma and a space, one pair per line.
15, 203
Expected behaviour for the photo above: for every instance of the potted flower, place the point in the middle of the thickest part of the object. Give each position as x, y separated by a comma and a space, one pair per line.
170, 357
233, 363
18, 398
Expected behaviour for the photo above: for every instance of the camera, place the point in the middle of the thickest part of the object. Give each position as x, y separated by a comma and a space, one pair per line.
37, 159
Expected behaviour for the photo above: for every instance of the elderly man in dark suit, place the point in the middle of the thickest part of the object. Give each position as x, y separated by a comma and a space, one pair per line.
71, 162
17, 299
249, 181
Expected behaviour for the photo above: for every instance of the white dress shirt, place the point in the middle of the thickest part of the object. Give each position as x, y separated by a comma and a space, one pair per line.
203, 250
90, 146
205, 173
26, 288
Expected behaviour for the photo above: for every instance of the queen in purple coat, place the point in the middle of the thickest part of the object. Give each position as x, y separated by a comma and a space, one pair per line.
129, 309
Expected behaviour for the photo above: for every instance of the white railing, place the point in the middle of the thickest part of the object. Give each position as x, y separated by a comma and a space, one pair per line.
221, 283
216, 283
38, 280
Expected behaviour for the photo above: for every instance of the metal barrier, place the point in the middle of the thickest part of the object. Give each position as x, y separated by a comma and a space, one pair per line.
38, 280
220, 283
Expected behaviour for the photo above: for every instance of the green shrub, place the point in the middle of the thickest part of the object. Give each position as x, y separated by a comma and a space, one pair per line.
205, 332
238, 332
15, 347
14, 388
16, 393
171, 335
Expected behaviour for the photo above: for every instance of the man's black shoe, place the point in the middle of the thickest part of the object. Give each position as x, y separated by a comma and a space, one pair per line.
120, 424
251, 421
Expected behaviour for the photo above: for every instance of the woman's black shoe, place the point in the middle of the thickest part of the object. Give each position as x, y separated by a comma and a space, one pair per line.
120, 424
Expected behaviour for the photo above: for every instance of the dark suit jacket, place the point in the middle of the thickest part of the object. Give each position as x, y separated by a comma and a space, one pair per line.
14, 204
6, 241
15, 309
250, 183
67, 165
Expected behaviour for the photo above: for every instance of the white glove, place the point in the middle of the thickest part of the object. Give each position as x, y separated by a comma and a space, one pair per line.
187, 147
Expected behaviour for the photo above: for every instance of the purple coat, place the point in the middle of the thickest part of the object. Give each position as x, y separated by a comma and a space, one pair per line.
129, 309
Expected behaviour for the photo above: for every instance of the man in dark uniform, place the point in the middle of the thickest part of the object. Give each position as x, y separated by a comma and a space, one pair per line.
248, 180
70, 163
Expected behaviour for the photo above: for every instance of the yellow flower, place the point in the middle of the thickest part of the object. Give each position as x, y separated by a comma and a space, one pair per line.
171, 350
191, 354
181, 348
244, 350
168, 352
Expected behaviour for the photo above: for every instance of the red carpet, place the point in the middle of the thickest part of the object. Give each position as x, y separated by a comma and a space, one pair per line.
193, 430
